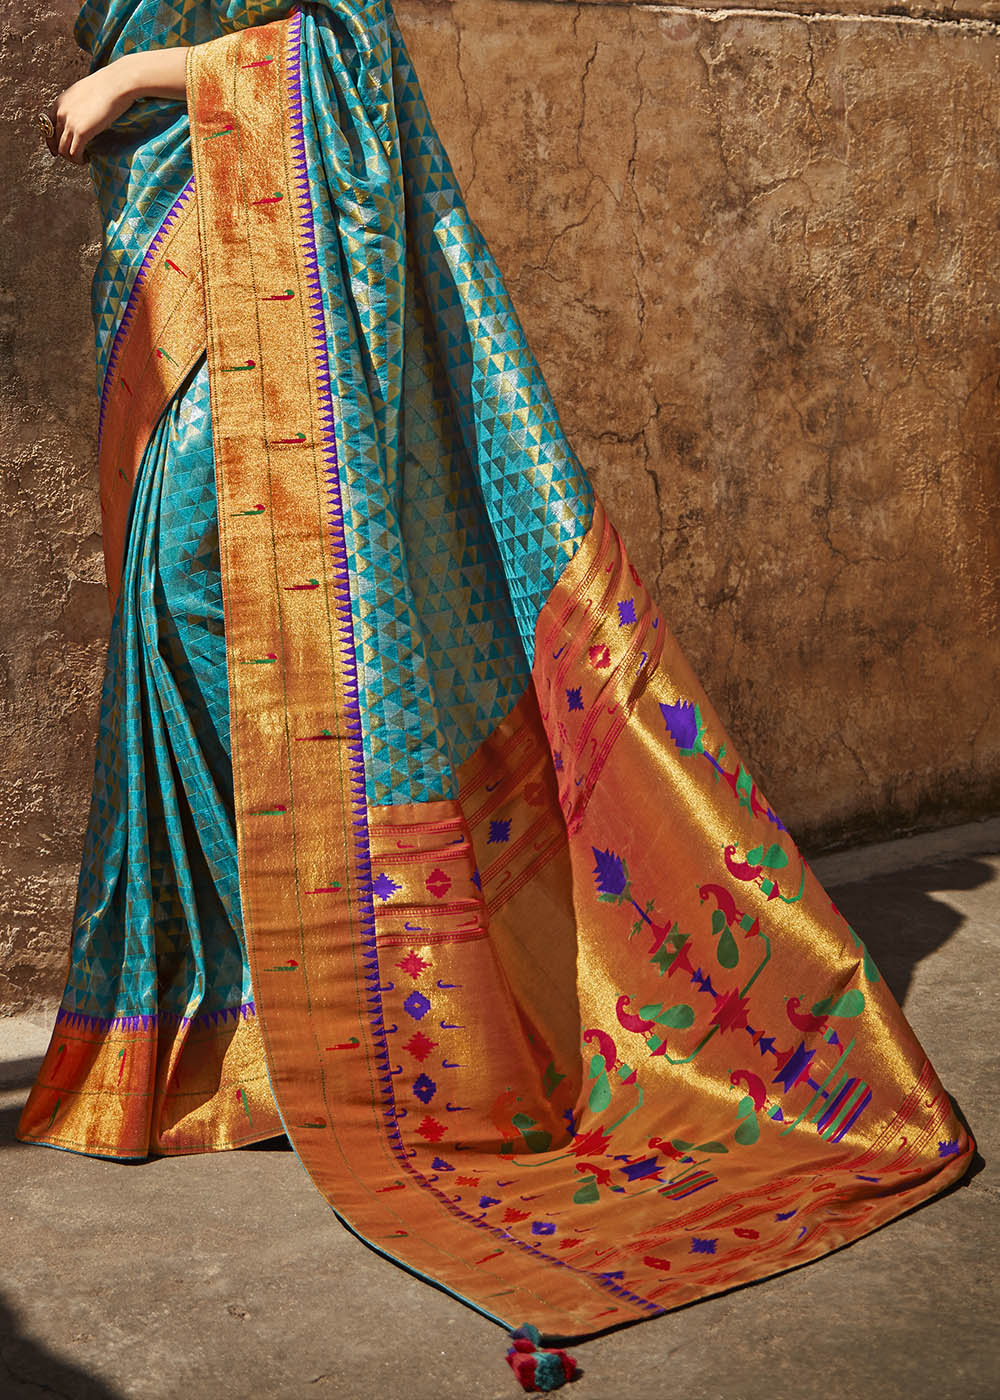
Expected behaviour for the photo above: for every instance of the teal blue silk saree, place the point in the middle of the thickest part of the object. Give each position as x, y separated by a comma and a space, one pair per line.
413, 835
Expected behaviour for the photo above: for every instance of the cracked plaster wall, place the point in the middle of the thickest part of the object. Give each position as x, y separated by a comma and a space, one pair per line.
755, 253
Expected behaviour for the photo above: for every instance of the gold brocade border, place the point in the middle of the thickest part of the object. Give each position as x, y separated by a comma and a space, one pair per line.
151, 1086
160, 339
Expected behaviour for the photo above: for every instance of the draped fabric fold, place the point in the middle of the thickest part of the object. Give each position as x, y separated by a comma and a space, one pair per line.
413, 832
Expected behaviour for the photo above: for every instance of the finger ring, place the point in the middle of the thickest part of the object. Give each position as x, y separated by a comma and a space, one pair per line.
45, 122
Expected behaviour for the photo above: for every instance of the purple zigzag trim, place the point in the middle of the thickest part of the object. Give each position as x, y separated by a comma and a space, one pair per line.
133, 299
338, 541
81, 1019
152, 1020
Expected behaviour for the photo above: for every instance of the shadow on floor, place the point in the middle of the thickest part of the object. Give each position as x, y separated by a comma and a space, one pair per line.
271, 1144
19, 1074
905, 916
8, 1124
28, 1370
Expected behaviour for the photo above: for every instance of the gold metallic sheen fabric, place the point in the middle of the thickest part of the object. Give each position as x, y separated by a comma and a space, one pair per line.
585, 1040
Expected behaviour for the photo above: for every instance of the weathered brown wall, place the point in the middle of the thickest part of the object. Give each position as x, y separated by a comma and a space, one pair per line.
755, 254
53, 615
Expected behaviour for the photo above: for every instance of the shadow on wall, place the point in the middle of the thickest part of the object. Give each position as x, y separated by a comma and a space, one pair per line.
28, 1370
905, 917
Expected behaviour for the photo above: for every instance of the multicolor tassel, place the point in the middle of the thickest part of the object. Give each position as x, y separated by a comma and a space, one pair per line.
537, 1367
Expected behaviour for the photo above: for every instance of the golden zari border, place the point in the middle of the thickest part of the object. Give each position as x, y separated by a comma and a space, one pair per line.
152, 1085
161, 336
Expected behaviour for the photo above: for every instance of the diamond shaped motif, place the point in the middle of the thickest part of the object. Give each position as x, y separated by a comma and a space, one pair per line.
420, 1046
413, 964
431, 1129
416, 1005
424, 1088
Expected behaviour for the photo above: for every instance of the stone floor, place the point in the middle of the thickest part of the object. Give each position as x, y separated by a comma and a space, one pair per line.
227, 1278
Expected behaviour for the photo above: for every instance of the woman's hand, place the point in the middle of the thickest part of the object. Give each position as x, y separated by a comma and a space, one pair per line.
96, 102
86, 109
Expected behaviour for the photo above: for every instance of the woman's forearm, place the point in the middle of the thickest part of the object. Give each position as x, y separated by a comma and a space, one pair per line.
153, 73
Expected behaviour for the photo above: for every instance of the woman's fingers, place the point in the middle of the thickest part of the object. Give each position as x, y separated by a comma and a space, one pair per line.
69, 141
62, 135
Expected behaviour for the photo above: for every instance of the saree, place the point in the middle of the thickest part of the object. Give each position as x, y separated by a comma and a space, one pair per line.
413, 835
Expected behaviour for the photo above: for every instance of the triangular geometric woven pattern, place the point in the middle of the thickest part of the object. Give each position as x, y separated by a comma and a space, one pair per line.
436, 628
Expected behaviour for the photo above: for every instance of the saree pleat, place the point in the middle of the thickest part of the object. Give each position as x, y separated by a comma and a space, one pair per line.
413, 832
158, 959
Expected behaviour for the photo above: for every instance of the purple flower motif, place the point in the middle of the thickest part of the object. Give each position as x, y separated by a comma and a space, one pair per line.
543, 1227
557, 762
948, 1149
683, 721
574, 698
384, 886
499, 831
416, 1005
786, 1214
635, 1171
610, 872
486, 1201
703, 1246
424, 1088
626, 612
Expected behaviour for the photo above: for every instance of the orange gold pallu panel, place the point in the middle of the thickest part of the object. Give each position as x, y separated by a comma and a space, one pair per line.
697, 1118
535, 1043
782, 1104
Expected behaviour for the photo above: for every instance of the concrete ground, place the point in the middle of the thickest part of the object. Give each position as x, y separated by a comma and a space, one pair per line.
226, 1277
